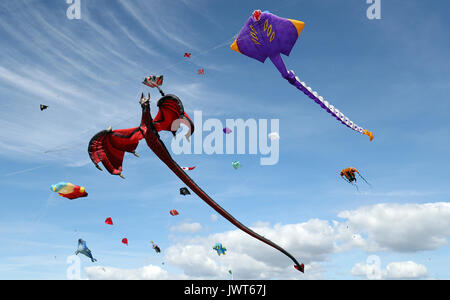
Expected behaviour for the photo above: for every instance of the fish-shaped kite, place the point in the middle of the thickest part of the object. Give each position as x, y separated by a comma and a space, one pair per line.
83, 249
69, 190
266, 35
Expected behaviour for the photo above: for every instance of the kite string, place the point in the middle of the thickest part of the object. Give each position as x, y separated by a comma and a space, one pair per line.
220, 45
83, 134
225, 43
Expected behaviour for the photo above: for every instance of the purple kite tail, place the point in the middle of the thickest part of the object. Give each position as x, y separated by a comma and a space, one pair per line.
295, 81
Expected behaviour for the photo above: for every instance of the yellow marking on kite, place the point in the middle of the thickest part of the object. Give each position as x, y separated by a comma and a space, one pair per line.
256, 42
272, 36
269, 30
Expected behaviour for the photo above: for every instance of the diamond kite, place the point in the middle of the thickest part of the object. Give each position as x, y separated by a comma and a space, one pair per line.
236, 164
184, 191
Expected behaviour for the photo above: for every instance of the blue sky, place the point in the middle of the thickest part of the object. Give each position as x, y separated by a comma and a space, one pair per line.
390, 76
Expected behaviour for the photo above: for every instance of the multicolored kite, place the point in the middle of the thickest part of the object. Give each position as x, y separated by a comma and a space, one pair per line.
266, 35
155, 247
188, 168
69, 190
220, 249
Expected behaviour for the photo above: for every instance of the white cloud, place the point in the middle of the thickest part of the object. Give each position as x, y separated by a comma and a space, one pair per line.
405, 270
309, 242
187, 227
214, 217
401, 227
384, 226
394, 270
149, 272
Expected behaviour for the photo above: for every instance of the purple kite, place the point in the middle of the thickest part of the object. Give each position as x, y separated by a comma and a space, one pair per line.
266, 35
227, 130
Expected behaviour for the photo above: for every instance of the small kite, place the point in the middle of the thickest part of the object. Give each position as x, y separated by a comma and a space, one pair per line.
274, 136
184, 191
42, 106
83, 249
201, 71
188, 55
227, 130
109, 147
156, 247
69, 190
153, 81
125, 241
188, 168
220, 249
348, 174
109, 221
236, 164
174, 212
266, 35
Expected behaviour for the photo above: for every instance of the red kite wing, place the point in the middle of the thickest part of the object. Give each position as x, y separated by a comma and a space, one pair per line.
109, 147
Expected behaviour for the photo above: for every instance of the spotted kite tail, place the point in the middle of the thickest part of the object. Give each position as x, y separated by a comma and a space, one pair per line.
295, 81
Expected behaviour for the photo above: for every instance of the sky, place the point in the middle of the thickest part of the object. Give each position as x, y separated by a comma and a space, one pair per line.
389, 75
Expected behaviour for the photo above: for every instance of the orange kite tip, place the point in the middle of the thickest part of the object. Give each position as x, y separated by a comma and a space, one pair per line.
235, 47
369, 134
298, 24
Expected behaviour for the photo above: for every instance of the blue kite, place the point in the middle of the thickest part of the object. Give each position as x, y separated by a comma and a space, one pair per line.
83, 249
